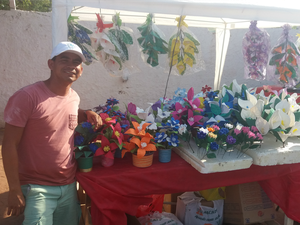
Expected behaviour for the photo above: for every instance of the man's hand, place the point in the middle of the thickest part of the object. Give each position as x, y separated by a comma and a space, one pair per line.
15, 203
94, 119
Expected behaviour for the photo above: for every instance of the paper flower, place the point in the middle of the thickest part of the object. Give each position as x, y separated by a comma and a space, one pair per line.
151, 41
284, 60
256, 47
183, 49
79, 35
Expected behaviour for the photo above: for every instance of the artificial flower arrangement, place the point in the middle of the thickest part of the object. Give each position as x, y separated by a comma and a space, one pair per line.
111, 43
184, 50
256, 47
277, 114
85, 140
79, 35
284, 60
151, 41
111, 134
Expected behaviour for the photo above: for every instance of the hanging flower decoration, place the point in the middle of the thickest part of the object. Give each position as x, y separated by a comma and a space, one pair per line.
284, 60
256, 47
111, 42
184, 49
151, 41
79, 35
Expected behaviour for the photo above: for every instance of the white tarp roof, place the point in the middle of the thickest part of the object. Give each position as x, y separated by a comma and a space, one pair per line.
220, 14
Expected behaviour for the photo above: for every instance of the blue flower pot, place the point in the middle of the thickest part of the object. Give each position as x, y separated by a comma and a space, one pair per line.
164, 155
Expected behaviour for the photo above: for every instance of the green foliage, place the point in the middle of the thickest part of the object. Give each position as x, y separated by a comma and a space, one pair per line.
150, 41
34, 5
4, 5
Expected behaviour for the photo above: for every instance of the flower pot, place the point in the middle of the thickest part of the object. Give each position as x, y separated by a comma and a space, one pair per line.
107, 162
85, 164
143, 162
118, 153
164, 155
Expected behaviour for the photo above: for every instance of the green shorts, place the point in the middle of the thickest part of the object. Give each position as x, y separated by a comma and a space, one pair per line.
51, 205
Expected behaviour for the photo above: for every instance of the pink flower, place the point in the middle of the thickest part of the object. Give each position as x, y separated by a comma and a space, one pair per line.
193, 119
237, 131
245, 130
216, 127
259, 136
251, 135
254, 129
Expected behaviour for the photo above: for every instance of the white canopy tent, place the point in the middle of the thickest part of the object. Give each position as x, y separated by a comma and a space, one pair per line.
220, 14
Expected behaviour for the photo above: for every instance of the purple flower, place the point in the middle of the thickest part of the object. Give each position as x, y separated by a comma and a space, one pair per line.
156, 105
230, 140
131, 108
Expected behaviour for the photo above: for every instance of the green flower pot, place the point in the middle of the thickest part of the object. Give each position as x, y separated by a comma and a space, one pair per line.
85, 164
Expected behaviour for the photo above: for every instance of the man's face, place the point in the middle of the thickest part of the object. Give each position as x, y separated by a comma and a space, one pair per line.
66, 67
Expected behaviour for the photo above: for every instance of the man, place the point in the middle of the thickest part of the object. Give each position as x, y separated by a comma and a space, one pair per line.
38, 142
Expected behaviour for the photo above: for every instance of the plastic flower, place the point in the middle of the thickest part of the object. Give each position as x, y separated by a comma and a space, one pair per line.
138, 130
262, 125
173, 140
106, 148
162, 114
193, 103
182, 129
214, 146
179, 110
150, 120
193, 119
117, 133
160, 137
230, 140
144, 145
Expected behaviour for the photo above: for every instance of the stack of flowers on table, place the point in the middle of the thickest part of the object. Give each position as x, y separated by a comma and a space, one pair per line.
111, 133
277, 114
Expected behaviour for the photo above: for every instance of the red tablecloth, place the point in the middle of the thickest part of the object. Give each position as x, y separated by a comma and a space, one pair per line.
121, 188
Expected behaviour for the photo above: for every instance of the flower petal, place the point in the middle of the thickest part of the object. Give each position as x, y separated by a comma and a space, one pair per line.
262, 125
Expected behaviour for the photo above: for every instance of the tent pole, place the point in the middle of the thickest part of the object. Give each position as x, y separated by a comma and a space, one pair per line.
221, 59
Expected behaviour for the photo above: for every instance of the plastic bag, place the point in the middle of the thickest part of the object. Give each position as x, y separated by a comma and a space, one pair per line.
157, 218
184, 50
190, 211
284, 60
79, 35
256, 47
213, 193
152, 42
155, 205
112, 43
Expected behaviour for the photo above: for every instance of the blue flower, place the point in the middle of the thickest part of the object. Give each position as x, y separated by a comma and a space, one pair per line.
173, 140
93, 147
201, 135
112, 101
86, 125
160, 137
181, 92
214, 146
223, 131
78, 140
211, 95
82, 36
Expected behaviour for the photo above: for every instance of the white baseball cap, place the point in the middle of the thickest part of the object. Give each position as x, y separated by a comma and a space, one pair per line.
67, 47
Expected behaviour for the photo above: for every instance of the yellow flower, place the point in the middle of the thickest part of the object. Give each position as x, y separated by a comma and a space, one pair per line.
181, 67
180, 21
177, 46
175, 60
188, 60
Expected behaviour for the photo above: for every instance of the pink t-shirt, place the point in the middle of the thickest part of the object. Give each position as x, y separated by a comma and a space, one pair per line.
46, 149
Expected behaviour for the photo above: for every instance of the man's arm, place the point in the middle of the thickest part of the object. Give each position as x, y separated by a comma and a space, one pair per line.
11, 140
92, 117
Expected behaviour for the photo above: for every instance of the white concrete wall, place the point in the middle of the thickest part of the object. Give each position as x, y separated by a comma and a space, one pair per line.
25, 44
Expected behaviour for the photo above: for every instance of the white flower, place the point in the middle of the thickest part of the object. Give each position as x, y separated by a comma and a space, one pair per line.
262, 125
294, 105
150, 119
295, 130
182, 129
162, 114
142, 114
228, 125
204, 130
284, 105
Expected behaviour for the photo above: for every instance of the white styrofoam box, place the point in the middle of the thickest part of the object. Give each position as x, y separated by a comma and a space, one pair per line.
273, 152
225, 160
